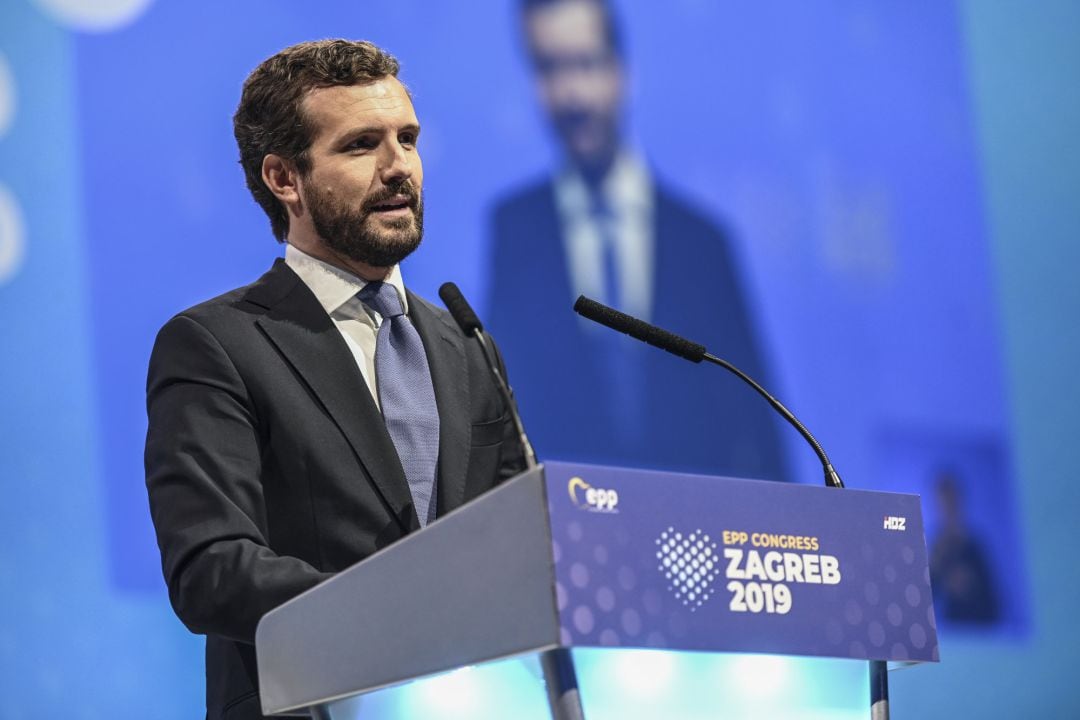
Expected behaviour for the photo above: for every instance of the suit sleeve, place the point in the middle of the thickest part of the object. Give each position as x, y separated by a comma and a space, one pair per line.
203, 465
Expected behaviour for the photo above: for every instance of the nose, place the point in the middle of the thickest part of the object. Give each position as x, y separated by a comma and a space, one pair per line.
564, 90
396, 164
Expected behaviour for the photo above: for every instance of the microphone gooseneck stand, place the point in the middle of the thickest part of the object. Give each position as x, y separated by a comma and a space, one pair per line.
560, 677
695, 352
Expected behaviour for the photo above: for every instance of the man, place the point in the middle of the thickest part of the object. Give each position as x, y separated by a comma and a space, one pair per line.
301, 423
961, 571
605, 227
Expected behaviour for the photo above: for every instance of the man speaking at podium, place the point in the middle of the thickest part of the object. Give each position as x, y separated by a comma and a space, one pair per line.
301, 423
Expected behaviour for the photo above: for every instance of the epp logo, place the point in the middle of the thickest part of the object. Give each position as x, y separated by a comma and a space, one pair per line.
895, 523
587, 497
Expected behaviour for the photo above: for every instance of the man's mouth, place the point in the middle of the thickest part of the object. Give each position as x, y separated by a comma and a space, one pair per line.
397, 205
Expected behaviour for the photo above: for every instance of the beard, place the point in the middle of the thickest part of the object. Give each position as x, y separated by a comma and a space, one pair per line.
591, 140
354, 233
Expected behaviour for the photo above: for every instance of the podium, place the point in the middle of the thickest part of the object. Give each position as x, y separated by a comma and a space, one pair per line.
607, 560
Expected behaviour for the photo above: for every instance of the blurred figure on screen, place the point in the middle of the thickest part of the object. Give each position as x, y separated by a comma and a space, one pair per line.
960, 571
604, 226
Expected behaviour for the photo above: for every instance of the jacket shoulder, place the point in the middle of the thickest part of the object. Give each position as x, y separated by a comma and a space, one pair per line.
248, 300
524, 199
682, 214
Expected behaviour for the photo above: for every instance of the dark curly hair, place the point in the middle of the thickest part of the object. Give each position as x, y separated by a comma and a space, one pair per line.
270, 117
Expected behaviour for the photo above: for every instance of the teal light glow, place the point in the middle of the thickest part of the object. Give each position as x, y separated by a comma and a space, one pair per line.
627, 684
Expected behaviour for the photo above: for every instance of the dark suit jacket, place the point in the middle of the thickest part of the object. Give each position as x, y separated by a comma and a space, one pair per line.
697, 419
269, 467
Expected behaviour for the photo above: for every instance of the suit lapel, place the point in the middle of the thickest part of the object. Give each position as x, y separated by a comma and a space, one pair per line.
305, 335
445, 349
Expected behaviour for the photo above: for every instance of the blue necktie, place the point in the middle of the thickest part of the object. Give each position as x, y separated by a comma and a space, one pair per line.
406, 395
605, 220
625, 372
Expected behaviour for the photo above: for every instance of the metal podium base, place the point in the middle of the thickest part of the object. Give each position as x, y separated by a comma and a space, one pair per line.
879, 690
562, 687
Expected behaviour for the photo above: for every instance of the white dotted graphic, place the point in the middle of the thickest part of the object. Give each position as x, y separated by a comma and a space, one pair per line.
94, 15
11, 236
690, 564
7, 95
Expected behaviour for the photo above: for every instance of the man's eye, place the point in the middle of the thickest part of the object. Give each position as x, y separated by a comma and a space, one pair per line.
362, 143
407, 139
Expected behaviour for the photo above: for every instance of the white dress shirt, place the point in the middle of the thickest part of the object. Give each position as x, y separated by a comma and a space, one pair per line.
336, 290
627, 191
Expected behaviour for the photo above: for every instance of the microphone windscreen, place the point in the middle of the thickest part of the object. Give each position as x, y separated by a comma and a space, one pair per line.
459, 309
639, 329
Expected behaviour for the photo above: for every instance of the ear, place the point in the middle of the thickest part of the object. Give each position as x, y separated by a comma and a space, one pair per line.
283, 179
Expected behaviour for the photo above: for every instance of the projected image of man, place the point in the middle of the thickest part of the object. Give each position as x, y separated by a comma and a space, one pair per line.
603, 224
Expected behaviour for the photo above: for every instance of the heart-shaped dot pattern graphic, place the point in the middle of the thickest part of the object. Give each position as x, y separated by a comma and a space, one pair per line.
690, 564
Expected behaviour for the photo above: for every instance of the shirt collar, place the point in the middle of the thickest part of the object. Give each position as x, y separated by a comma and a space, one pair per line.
332, 286
626, 186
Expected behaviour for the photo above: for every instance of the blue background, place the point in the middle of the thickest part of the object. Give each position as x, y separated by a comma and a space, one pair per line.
902, 179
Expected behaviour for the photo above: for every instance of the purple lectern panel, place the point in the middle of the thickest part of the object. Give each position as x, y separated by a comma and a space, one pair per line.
688, 562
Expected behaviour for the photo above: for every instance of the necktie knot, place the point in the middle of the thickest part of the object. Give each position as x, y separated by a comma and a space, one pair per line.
382, 298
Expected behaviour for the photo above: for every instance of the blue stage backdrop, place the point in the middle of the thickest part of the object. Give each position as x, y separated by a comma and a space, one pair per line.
809, 186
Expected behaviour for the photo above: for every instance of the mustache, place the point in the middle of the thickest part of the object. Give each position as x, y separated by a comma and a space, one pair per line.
572, 118
407, 189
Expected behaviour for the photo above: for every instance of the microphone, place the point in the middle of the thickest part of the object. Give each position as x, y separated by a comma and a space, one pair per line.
639, 329
695, 352
557, 664
460, 309
470, 324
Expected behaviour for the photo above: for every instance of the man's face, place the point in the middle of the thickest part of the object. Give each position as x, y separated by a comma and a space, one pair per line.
579, 78
363, 189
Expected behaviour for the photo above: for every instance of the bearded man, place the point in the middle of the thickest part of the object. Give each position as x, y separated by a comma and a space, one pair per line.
301, 423
606, 225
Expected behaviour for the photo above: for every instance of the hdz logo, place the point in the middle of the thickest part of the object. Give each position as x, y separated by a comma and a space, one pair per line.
895, 523
594, 499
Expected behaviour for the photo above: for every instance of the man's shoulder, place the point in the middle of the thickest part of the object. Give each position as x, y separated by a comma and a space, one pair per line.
525, 197
199, 339
245, 302
685, 216
215, 307
525, 229
231, 313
